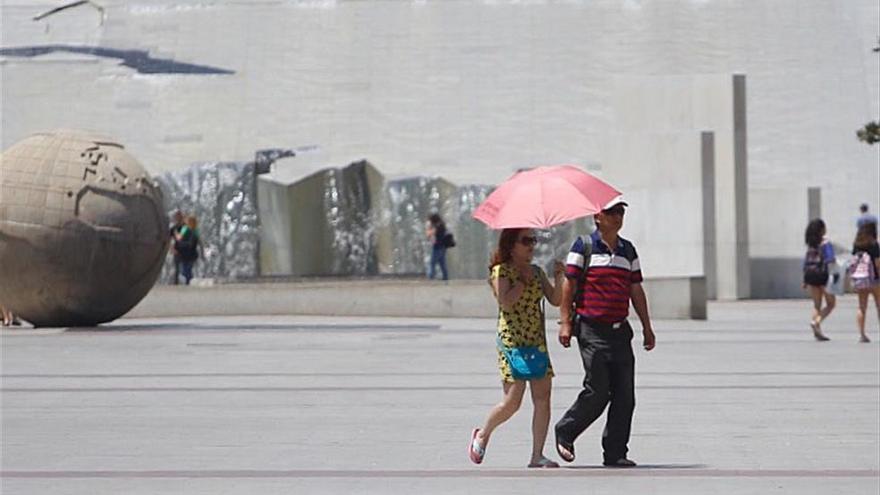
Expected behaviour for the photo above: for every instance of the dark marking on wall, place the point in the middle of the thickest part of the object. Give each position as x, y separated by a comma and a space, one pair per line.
139, 60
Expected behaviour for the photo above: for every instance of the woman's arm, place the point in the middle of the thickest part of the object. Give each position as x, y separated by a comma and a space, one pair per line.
183, 240
553, 292
507, 293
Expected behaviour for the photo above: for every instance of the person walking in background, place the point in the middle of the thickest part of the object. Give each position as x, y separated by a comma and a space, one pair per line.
864, 216
173, 232
820, 254
437, 236
519, 287
187, 245
605, 274
864, 271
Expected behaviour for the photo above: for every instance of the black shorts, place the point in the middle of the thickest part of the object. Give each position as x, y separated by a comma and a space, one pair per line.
816, 279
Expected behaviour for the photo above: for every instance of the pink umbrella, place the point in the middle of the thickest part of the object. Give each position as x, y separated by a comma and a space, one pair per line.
545, 196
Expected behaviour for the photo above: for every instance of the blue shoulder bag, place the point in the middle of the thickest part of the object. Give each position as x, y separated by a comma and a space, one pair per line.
526, 363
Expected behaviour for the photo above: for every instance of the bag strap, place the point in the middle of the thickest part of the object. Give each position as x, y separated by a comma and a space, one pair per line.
582, 280
588, 255
819, 250
538, 273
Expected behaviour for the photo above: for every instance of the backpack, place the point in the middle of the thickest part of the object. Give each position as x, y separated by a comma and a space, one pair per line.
582, 281
860, 266
188, 247
448, 240
815, 268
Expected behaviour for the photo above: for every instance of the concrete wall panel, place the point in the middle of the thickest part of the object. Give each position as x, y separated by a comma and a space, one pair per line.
322, 224
669, 298
683, 107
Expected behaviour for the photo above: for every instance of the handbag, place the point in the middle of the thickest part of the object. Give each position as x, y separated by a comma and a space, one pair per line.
526, 362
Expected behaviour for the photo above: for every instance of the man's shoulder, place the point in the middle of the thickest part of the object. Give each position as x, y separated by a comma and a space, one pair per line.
627, 245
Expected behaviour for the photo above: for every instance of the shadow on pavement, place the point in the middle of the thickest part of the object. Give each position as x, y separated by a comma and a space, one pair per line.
343, 328
642, 466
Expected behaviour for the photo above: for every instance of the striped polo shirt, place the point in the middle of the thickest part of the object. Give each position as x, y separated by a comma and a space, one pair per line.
605, 292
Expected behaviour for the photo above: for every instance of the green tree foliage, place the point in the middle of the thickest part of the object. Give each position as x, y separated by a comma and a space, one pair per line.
870, 133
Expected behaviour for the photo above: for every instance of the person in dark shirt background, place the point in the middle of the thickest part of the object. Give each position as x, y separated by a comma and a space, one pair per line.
187, 246
864, 271
437, 235
173, 232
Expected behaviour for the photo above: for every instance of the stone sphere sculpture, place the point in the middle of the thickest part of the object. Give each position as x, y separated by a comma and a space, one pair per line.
83, 232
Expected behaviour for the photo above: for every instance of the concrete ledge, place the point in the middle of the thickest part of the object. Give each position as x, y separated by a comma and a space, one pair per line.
781, 278
676, 298
777, 278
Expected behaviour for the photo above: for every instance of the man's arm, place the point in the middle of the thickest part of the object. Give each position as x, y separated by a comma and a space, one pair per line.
640, 303
566, 306
575, 263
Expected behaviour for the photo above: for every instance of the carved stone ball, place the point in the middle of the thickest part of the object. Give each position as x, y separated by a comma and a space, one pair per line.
83, 231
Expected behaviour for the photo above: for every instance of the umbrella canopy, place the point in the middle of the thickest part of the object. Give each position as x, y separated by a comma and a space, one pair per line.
545, 196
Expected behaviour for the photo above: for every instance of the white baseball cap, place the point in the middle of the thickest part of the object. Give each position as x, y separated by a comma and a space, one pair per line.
617, 200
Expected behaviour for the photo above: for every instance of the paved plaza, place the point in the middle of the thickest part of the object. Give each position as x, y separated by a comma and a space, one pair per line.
746, 402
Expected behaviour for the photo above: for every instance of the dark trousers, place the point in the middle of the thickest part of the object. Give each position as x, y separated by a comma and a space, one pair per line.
186, 268
177, 263
438, 257
609, 367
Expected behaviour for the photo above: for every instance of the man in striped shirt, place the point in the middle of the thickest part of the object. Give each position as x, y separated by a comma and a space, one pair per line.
602, 277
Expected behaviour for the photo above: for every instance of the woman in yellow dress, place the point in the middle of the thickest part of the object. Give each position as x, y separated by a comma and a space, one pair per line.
519, 287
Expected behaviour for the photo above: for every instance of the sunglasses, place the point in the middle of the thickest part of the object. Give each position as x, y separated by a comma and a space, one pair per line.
528, 241
617, 210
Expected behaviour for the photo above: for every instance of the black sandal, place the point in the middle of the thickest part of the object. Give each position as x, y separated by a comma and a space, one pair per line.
568, 447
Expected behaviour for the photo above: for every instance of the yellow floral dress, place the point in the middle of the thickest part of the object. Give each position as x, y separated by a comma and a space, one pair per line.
521, 326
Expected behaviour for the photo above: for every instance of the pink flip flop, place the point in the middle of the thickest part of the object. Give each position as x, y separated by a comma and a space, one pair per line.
475, 452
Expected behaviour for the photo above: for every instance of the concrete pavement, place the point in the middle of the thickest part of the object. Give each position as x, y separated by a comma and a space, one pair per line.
745, 402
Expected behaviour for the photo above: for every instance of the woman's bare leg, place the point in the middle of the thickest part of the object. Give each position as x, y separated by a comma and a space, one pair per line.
817, 293
513, 395
830, 303
816, 296
541, 418
876, 293
877, 300
860, 313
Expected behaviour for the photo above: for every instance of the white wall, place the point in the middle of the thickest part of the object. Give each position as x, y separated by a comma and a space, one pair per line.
661, 176
469, 90
688, 105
